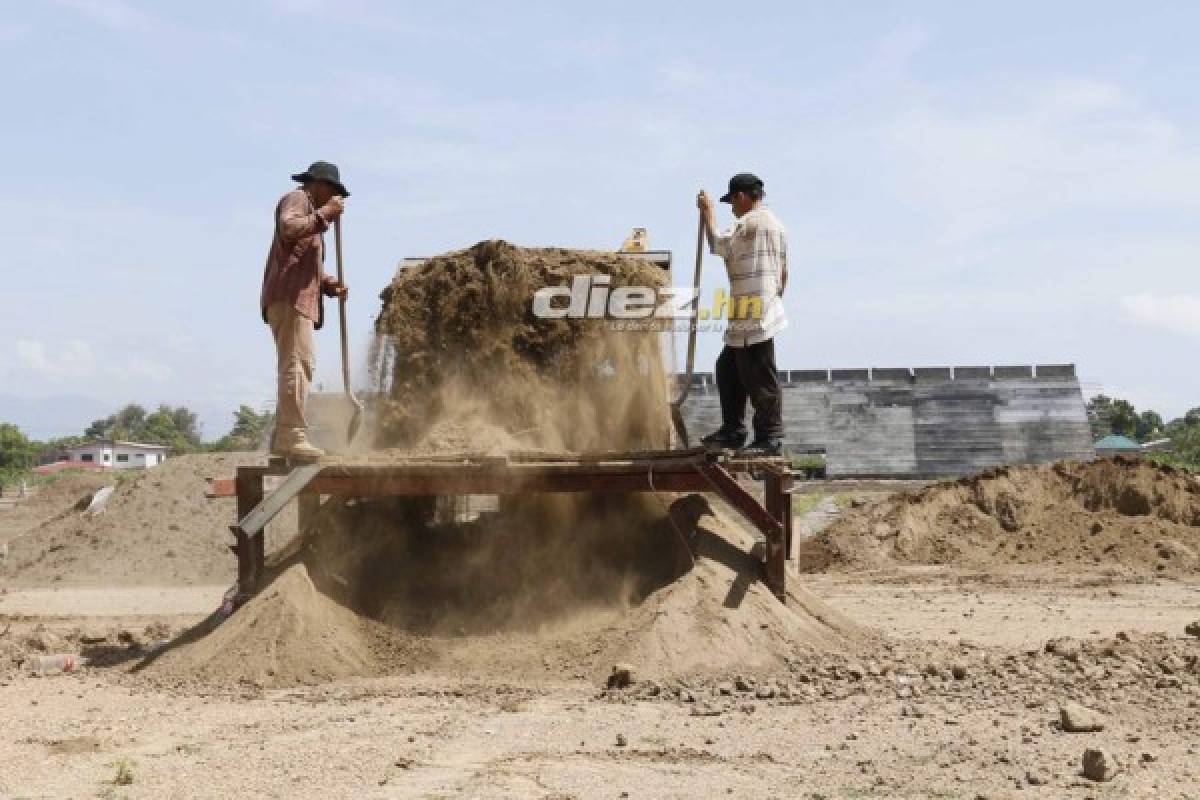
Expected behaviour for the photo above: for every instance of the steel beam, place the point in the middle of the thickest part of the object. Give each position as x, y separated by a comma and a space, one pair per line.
692, 472
774, 568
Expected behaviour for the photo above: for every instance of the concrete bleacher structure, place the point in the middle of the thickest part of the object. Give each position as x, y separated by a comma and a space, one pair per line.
923, 422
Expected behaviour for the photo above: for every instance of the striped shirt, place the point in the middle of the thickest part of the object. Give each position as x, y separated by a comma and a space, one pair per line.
755, 253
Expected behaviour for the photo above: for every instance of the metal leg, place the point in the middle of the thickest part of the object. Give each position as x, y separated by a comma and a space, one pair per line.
778, 501
307, 506
249, 549
777, 487
768, 522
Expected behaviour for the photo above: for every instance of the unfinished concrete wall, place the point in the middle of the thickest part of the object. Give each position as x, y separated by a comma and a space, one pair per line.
923, 422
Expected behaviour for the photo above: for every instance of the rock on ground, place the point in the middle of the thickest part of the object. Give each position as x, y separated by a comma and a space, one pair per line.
1098, 765
1079, 719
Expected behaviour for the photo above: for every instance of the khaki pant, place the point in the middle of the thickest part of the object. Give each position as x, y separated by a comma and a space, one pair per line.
296, 359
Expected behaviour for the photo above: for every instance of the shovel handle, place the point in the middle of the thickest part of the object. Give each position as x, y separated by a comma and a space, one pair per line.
341, 276
691, 346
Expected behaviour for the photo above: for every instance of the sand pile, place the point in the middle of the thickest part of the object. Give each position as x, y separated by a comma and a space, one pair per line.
157, 529
512, 594
1119, 514
54, 499
458, 340
548, 587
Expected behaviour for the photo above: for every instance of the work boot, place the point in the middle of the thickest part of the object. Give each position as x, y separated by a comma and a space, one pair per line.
723, 440
304, 451
768, 448
294, 445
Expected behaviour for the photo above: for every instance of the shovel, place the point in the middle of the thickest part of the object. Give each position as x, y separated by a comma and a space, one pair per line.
356, 418
677, 404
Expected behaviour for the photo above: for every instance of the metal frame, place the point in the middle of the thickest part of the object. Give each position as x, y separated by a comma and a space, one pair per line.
520, 473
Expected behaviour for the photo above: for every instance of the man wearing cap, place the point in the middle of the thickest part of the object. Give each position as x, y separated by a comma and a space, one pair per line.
755, 254
291, 297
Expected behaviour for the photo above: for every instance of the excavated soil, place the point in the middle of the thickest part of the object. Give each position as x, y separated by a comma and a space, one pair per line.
552, 590
458, 341
157, 529
1121, 515
54, 499
545, 587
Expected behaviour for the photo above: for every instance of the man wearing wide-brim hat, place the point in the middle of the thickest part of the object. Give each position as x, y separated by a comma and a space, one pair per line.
293, 283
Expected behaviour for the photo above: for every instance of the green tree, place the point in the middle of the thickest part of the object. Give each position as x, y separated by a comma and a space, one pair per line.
1185, 446
250, 430
177, 428
124, 424
1110, 415
17, 452
1149, 426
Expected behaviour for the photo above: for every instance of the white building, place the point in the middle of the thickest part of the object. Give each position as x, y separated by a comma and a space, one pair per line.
118, 455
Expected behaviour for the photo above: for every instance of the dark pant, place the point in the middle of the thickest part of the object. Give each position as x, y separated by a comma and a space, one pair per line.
749, 373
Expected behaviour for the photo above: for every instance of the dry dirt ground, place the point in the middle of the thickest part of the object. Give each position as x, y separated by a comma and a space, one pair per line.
959, 697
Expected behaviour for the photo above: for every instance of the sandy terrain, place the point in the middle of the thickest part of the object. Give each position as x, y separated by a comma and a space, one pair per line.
521, 736
1029, 632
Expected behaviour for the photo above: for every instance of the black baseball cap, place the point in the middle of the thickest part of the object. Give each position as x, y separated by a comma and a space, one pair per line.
742, 182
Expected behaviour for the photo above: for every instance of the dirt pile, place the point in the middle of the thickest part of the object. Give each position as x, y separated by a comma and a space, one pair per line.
52, 500
512, 593
458, 340
546, 587
1115, 514
157, 529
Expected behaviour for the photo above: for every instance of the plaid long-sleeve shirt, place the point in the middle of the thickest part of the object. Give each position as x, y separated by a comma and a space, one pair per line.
755, 253
293, 273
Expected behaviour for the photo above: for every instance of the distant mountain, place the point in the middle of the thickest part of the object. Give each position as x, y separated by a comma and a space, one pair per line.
54, 416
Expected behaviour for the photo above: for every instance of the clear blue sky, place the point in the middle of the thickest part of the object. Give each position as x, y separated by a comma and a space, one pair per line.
963, 183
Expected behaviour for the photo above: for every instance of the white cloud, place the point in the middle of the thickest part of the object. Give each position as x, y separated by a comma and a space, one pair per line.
59, 361
141, 370
1177, 313
1069, 146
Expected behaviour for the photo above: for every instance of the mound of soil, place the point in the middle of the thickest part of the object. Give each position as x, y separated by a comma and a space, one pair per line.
1116, 514
48, 502
539, 592
458, 340
547, 586
158, 529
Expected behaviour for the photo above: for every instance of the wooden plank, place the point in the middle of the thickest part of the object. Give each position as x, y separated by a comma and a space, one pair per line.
504, 482
532, 470
221, 487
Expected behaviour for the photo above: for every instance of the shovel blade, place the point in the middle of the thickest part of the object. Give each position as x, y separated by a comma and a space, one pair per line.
355, 420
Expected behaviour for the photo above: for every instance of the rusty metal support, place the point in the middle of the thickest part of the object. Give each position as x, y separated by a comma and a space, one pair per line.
694, 472
249, 549
777, 495
769, 524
